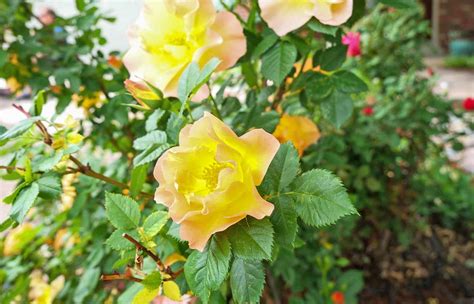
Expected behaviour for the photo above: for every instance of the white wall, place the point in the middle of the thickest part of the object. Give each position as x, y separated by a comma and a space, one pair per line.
126, 11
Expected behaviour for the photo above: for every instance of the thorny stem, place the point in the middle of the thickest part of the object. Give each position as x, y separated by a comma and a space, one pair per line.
128, 275
12, 168
273, 288
39, 124
119, 276
84, 169
214, 104
278, 97
153, 256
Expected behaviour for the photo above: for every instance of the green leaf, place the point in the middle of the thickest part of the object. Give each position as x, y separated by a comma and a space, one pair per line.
118, 242
401, 4
49, 186
337, 108
188, 81
138, 178
38, 103
173, 127
247, 278
230, 105
284, 220
250, 74
206, 73
264, 46
267, 121
278, 61
11, 197
282, 170
251, 238
154, 89
320, 198
122, 211
24, 201
6, 224
333, 58
317, 26
87, 284
153, 280
207, 270
173, 231
349, 83
48, 162
152, 121
19, 129
150, 154
152, 138
319, 87
155, 222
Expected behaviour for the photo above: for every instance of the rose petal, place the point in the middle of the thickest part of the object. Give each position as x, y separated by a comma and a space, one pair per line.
284, 16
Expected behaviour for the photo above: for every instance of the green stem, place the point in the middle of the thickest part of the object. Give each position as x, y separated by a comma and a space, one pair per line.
230, 10
190, 114
214, 105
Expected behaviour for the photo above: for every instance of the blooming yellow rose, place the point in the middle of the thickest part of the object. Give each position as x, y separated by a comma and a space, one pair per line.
284, 16
301, 131
171, 34
209, 181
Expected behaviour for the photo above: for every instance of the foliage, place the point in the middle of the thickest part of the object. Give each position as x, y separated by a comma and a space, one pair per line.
97, 212
89, 185
459, 62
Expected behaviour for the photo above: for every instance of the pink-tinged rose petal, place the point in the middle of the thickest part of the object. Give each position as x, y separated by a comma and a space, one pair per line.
284, 16
231, 45
333, 12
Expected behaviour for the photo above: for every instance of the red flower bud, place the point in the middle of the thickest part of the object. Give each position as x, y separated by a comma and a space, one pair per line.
468, 104
337, 297
352, 40
368, 111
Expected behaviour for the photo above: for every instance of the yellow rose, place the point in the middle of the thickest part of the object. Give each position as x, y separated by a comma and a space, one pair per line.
91, 101
40, 291
18, 238
171, 34
209, 181
284, 16
13, 85
301, 131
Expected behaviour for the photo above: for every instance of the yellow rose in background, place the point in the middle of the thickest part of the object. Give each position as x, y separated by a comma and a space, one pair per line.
18, 238
40, 291
300, 130
13, 85
209, 181
284, 16
171, 34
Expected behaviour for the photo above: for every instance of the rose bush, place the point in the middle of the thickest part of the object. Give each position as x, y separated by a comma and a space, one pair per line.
239, 106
